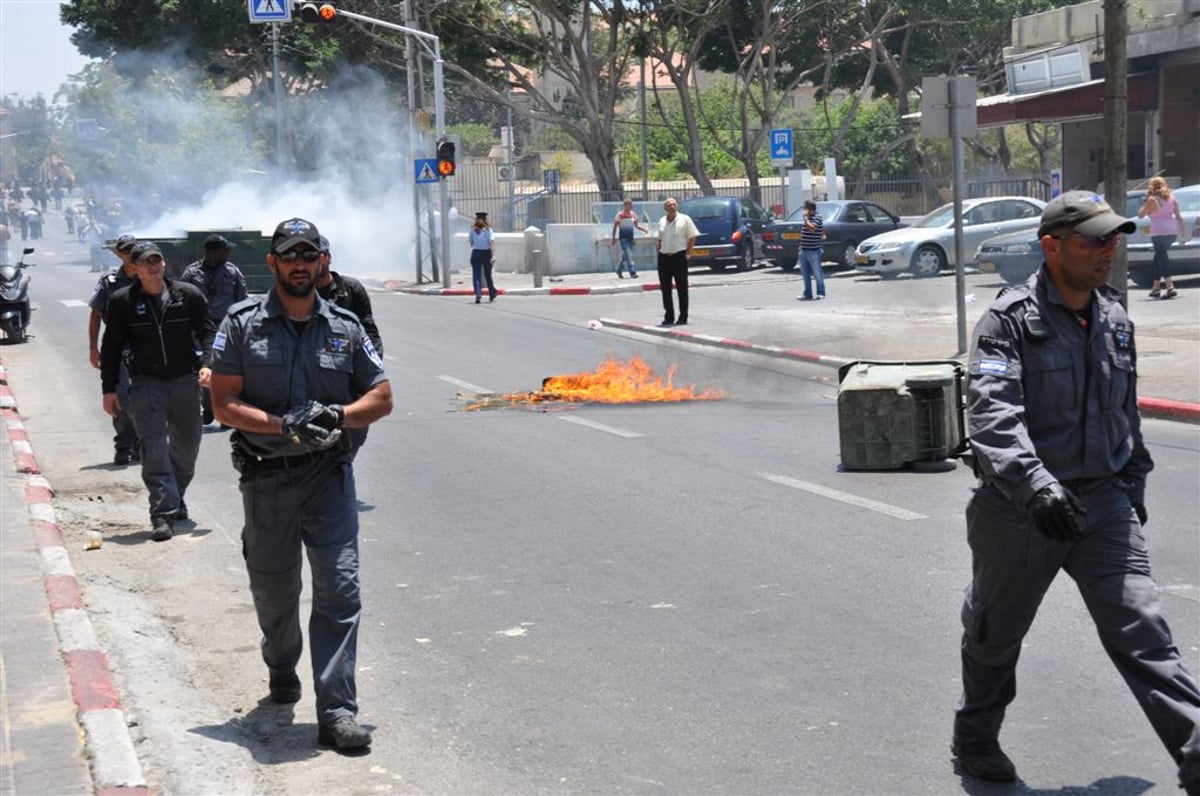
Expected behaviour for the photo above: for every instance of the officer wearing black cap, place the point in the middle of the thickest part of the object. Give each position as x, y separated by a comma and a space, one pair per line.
222, 284
165, 326
125, 441
300, 380
1054, 426
348, 293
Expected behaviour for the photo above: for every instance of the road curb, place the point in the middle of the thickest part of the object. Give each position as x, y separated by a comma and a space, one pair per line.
114, 765
1160, 408
580, 290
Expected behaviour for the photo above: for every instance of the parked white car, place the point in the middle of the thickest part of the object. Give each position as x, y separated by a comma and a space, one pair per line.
927, 247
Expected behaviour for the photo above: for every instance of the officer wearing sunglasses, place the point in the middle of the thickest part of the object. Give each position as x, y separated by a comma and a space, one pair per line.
166, 327
1053, 421
300, 381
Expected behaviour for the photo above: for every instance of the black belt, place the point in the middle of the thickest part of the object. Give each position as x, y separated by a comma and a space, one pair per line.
277, 463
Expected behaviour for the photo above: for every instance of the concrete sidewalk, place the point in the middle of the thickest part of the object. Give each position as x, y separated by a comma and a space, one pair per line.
758, 313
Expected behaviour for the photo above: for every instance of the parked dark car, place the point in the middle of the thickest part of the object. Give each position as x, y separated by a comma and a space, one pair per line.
1013, 257
846, 223
730, 231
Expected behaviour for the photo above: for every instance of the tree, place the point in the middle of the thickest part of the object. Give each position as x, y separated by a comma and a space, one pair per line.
34, 125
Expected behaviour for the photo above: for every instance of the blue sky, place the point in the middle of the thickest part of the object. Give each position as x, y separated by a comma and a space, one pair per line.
36, 53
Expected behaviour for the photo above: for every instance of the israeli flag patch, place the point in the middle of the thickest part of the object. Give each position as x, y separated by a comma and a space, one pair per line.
372, 354
996, 367
219, 342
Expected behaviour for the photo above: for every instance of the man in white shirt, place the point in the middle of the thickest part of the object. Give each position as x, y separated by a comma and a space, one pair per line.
677, 235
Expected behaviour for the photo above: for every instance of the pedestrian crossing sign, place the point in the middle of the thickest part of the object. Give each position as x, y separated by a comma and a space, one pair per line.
270, 10
426, 170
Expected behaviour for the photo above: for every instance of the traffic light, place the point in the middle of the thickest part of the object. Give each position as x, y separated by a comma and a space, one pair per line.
317, 12
445, 158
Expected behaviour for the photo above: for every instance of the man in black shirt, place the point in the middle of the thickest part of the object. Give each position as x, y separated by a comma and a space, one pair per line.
167, 329
348, 293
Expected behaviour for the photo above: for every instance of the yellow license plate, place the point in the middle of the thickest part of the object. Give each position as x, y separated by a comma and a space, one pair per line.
987, 267
700, 252
791, 236
861, 259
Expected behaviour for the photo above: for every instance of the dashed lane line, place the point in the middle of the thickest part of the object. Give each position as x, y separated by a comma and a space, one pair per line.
580, 421
845, 497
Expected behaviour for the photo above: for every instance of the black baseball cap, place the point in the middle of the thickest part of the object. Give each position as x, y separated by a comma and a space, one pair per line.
143, 250
324, 245
293, 232
215, 241
125, 243
1084, 212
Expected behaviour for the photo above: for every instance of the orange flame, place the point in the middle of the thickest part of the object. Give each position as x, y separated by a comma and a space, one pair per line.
613, 382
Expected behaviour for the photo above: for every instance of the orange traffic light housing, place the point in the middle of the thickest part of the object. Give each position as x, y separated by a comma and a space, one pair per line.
317, 12
445, 159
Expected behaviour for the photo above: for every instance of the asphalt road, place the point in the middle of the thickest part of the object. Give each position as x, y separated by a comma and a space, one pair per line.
679, 598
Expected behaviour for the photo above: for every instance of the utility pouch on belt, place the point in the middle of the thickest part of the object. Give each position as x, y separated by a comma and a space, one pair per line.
236, 453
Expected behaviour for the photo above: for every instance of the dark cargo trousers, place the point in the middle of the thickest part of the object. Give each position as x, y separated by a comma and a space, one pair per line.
126, 438
1013, 567
167, 423
310, 505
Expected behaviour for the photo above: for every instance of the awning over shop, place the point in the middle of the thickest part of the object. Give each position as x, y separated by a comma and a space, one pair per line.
1067, 103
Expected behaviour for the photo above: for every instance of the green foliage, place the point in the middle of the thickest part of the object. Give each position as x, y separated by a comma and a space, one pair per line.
551, 139
876, 125
477, 139
34, 128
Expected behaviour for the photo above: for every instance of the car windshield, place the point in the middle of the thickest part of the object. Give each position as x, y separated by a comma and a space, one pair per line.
826, 210
1188, 199
704, 208
939, 218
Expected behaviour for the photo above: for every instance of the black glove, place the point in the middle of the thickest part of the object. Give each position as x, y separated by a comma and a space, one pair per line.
314, 425
1056, 513
1140, 510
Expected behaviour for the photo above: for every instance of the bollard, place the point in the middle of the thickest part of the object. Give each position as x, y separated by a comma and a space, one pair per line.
533, 254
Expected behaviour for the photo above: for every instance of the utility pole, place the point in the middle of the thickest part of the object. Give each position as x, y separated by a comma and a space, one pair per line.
1116, 121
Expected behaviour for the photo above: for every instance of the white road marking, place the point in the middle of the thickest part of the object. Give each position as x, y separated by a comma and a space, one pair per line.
579, 421
845, 497
466, 385
74, 303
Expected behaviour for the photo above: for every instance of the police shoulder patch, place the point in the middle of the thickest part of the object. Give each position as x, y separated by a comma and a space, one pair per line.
998, 342
372, 354
218, 343
996, 367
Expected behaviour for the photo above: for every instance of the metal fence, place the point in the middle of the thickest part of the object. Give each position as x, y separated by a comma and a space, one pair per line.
520, 203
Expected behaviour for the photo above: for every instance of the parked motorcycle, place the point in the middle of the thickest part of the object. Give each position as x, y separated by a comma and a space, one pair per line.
14, 299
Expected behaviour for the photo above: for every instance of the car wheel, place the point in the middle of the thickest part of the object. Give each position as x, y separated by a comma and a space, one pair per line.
746, 256
928, 261
847, 259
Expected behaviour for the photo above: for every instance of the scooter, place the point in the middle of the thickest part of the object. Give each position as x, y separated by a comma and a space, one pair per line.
14, 299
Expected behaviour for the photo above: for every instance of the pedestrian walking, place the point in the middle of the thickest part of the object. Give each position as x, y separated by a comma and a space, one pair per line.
812, 240
348, 293
168, 333
299, 380
483, 256
1166, 222
1053, 422
125, 440
677, 235
624, 225
223, 285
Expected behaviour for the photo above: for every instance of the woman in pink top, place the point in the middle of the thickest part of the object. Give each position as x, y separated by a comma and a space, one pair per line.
1165, 222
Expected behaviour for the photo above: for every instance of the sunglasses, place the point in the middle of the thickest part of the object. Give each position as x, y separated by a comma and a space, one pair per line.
308, 255
153, 259
1092, 241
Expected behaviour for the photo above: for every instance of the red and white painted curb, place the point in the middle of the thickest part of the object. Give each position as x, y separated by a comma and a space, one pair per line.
578, 290
114, 763
675, 333
1161, 408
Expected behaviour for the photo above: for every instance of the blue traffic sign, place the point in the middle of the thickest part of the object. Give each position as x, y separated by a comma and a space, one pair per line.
270, 10
781, 147
426, 170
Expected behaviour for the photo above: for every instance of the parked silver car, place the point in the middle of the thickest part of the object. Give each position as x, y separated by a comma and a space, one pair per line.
927, 247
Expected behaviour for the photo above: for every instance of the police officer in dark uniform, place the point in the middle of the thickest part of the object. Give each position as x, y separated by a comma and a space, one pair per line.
300, 381
165, 326
125, 442
223, 284
1054, 425
348, 293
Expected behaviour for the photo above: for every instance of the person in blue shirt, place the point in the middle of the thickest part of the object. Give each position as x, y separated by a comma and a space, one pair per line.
483, 256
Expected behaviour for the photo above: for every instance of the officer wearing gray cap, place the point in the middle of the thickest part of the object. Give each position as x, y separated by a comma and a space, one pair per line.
223, 284
300, 380
1053, 422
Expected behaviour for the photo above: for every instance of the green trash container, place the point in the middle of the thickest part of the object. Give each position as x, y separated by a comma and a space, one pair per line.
897, 414
249, 253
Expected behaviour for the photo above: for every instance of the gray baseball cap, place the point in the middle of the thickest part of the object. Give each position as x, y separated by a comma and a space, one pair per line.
1084, 212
